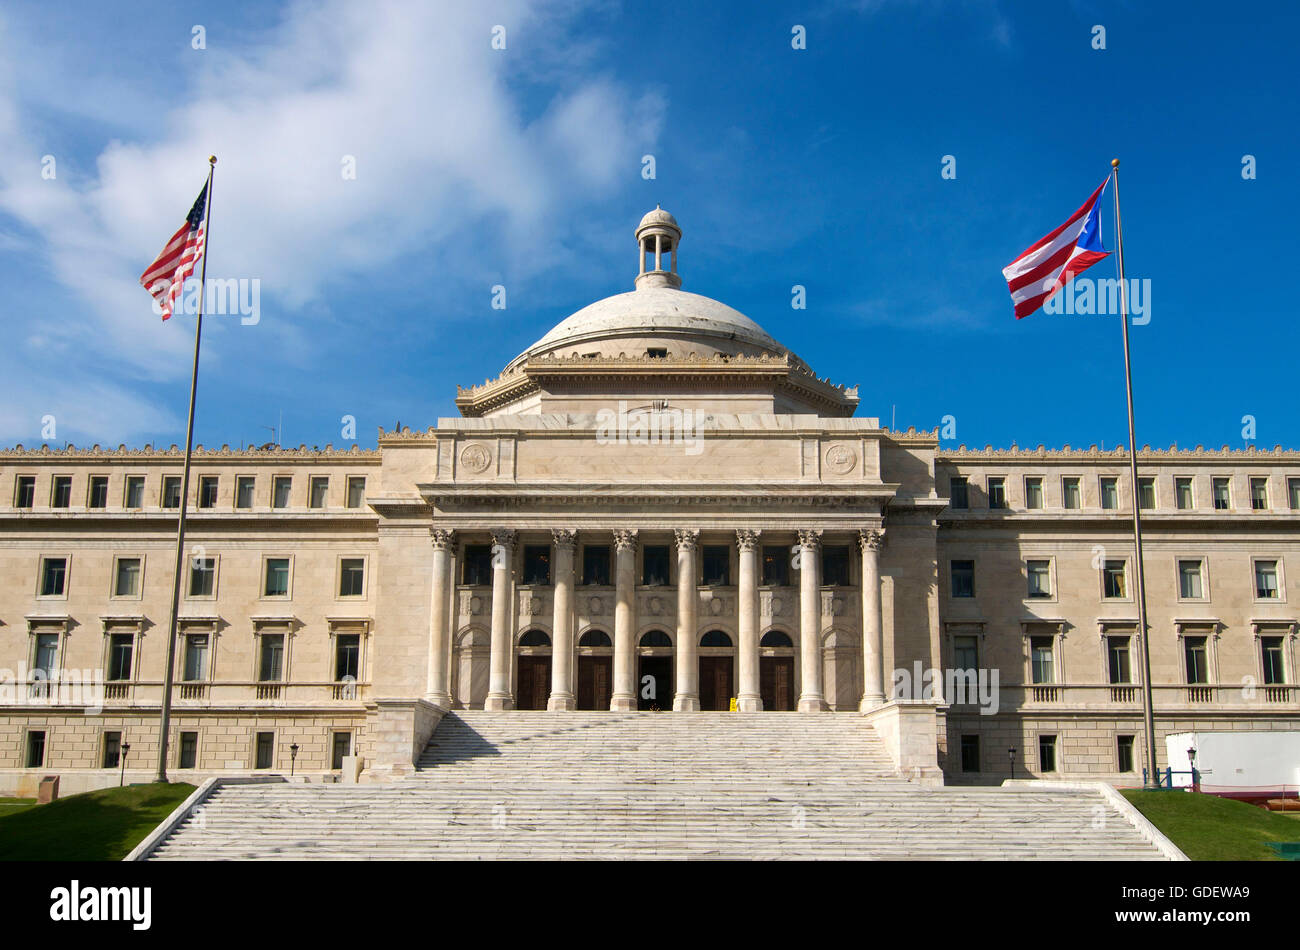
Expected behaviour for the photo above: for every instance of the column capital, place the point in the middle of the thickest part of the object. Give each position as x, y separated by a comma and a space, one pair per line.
871, 539
442, 539
504, 537
687, 538
564, 537
747, 538
811, 538
625, 539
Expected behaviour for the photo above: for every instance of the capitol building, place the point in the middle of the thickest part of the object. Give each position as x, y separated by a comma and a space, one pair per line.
656, 506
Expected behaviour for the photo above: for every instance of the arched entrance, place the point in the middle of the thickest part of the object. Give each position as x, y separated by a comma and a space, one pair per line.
717, 678
655, 671
533, 686
595, 670
776, 671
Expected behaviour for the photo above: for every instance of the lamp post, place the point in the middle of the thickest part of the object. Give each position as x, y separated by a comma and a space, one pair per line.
1011, 754
1191, 757
293, 757
121, 779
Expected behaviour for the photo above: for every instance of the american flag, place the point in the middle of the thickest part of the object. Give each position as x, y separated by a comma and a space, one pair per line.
165, 277
1047, 266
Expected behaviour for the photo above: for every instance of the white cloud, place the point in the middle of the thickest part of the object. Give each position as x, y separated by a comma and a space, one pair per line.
443, 141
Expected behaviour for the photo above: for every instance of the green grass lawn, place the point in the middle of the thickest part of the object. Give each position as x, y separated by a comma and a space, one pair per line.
1207, 828
11, 806
94, 826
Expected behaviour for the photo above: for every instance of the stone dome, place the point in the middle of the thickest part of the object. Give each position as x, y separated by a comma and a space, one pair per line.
658, 216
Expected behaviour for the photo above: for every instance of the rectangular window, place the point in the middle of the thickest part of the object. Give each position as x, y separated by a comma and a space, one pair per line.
1047, 753
776, 565
476, 567
1124, 753
47, 654
1189, 580
1183, 493
120, 648
963, 578
356, 491
958, 492
1196, 658
965, 653
98, 492
1293, 493
1270, 649
537, 564
208, 491
835, 565
270, 666
265, 750
1033, 492
342, 749
1042, 661
1110, 492
203, 576
1113, 580
1040, 578
319, 488
716, 559
244, 487
347, 657
25, 493
595, 565
189, 750
1070, 492
61, 493
54, 576
997, 492
126, 582
281, 485
1147, 492
1266, 580
1222, 493
134, 491
970, 753
171, 493
112, 749
277, 577
654, 565
1259, 494
196, 658
352, 576
36, 749
1119, 661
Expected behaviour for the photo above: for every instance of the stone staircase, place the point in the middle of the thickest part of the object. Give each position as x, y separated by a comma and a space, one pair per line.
521, 785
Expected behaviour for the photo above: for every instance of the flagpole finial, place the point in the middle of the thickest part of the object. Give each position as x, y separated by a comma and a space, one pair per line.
212, 160
1114, 162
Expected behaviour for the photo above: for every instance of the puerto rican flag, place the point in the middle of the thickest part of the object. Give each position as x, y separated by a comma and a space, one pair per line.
1047, 266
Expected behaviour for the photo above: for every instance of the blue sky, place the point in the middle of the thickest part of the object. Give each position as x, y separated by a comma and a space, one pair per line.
522, 167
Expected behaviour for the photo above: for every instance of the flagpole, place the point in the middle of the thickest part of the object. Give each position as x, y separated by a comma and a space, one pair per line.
1148, 712
169, 674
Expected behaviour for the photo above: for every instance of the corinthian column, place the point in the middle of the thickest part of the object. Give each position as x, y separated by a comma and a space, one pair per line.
624, 696
873, 654
562, 622
687, 697
499, 694
810, 620
439, 682
748, 699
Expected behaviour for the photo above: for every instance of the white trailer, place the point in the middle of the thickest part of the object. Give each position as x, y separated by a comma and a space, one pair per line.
1255, 764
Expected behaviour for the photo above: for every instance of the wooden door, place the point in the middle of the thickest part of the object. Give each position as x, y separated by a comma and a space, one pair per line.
776, 682
715, 682
655, 683
595, 681
534, 682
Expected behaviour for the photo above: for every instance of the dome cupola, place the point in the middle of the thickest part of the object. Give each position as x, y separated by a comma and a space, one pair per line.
657, 237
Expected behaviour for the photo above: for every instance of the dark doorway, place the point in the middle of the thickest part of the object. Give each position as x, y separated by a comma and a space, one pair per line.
715, 683
595, 681
534, 682
776, 682
655, 683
